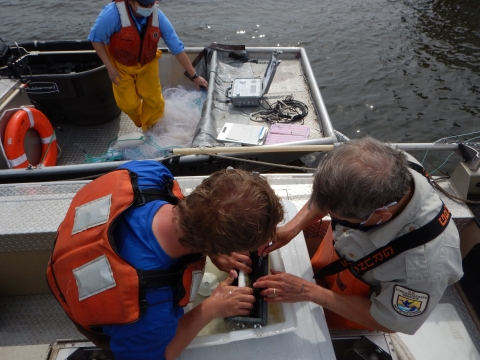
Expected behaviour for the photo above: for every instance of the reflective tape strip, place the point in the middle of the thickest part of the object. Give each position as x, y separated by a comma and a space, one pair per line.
197, 276
155, 16
49, 139
94, 277
20, 160
30, 116
92, 214
122, 10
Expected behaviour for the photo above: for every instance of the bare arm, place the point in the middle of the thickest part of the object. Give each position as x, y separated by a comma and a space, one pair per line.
225, 301
187, 65
305, 217
113, 73
354, 308
189, 326
290, 288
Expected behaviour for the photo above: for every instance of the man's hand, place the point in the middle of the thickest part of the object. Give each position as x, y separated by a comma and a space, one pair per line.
305, 217
227, 300
281, 238
240, 261
282, 287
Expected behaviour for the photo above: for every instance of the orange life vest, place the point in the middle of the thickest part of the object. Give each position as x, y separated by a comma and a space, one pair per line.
128, 46
344, 282
93, 284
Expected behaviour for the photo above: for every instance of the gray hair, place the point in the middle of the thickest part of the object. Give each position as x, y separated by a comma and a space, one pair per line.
358, 177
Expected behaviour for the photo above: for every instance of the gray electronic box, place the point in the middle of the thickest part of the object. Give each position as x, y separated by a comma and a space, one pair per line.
248, 92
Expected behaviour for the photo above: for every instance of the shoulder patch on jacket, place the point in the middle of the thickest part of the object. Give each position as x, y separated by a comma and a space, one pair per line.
409, 302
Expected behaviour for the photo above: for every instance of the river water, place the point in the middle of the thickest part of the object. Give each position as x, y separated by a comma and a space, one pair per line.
401, 71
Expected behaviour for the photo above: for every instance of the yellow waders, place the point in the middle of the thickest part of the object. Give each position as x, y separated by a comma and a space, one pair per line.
139, 94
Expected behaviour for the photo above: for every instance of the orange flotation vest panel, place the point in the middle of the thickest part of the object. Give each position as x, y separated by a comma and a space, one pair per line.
344, 282
127, 46
93, 284
14, 138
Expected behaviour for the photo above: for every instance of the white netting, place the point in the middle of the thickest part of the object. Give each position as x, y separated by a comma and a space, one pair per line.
183, 108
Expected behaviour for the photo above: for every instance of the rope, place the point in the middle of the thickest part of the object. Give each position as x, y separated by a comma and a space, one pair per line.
434, 182
266, 163
219, 156
98, 175
449, 137
450, 195
48, 149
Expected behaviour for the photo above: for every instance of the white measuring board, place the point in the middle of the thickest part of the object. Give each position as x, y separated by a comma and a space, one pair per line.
245, 134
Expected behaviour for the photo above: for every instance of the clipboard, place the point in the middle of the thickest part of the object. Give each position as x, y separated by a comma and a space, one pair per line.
244, 134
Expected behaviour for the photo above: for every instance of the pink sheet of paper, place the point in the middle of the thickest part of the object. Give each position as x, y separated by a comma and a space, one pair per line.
282, 133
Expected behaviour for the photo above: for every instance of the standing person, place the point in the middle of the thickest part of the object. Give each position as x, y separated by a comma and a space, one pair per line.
393, 249
125, 37
231, 211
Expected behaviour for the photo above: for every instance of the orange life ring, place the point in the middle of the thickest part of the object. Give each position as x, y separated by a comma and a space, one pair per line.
17, 127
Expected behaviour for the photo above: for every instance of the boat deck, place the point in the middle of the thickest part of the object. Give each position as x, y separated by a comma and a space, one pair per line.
75, 142
29, 315
83, 148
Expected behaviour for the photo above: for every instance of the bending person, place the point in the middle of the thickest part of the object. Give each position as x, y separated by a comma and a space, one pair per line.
156, 236
393, 247
125, 37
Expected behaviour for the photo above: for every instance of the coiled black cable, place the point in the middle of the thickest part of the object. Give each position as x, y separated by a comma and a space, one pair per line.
283, 111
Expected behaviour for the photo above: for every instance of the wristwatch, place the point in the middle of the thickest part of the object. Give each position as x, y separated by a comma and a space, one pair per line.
194, 76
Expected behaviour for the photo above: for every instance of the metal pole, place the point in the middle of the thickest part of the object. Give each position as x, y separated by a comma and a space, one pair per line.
252, 149
425, 146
